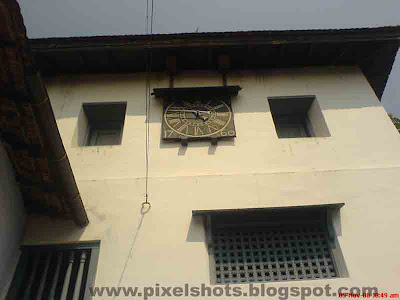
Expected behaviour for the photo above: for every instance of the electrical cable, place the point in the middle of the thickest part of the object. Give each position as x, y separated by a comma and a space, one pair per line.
146, 206
148, 91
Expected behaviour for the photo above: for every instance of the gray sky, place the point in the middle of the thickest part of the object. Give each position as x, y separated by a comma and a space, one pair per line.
64, 18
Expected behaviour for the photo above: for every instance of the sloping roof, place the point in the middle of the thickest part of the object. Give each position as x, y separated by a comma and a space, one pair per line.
385, 32
28, 129
373, 49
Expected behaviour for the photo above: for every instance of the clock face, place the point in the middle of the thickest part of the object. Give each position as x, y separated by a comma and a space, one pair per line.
198, 119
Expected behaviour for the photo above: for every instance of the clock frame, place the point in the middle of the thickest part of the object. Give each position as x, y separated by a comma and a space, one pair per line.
191, 114
198, 119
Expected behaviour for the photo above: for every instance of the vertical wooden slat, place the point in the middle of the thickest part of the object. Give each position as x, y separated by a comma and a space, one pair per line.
44, 276
67, 278
27, 294
92, 259
55, 279
54, 273
79, 276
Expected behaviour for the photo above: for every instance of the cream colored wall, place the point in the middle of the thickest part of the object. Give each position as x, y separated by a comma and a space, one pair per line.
358, 164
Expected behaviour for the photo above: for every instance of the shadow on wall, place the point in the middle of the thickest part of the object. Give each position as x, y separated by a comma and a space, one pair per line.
212, 149
145, 208
52, 230
81, 130
196, 232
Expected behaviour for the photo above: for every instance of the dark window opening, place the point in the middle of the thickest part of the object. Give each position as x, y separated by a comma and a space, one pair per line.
298, 117
105, 122
292, 126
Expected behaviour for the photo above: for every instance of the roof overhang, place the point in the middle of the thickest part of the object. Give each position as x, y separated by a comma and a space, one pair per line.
373, 49
28, 128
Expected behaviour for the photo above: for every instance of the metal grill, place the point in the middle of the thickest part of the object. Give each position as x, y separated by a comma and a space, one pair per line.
245, 255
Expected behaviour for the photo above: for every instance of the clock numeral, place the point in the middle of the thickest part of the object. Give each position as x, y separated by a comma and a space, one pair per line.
174, 121
198, 131
219, 106
183, 127
229, 133
211, 127
219, 122
168, 133
222, 114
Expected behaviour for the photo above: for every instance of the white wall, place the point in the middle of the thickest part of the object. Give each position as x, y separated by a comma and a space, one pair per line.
349, 106
358, 164
11, 221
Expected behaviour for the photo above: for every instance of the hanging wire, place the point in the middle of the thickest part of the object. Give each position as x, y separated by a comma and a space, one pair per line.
147, 17
145, 205
148, 90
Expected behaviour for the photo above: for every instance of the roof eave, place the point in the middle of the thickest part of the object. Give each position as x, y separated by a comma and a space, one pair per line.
376, 62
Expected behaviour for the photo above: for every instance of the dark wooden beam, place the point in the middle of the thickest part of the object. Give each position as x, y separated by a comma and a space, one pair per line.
114, 67
210, 58
310, 50
248, 56
83, 62
282, 51
198, 91
343, 51
171, 64
52, 62
224, 63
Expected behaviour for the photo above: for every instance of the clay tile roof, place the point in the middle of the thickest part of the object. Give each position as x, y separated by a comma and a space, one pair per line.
46, 182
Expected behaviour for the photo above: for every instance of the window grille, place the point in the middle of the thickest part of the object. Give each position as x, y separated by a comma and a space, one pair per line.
276, 244
59, 272
260, 255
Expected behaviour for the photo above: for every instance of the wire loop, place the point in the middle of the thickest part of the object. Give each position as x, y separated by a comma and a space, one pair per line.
146, 206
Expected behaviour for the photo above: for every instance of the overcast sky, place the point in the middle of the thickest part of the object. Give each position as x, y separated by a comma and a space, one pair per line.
64, 18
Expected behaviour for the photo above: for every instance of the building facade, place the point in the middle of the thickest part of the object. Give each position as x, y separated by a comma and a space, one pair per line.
338, 170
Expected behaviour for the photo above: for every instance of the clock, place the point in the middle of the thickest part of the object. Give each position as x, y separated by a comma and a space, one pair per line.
198, 119
197, 113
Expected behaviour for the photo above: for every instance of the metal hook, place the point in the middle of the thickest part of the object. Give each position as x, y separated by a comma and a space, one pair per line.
146, 206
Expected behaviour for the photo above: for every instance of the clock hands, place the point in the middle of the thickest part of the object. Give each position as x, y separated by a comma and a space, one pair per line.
195, 112
190, 110
200, 117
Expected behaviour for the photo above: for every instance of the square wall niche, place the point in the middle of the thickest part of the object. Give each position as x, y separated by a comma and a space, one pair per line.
298, 117
101, 124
